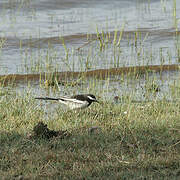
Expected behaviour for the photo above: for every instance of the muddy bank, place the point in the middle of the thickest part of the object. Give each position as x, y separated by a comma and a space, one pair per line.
85, 39
99, 73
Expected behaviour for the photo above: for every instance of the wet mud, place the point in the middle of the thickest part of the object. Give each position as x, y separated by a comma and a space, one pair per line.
99, 74
87, 38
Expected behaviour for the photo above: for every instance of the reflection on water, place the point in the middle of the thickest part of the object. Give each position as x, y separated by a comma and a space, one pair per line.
32, 30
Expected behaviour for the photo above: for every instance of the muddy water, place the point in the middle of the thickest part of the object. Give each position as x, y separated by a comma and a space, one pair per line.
29, 30
33, 34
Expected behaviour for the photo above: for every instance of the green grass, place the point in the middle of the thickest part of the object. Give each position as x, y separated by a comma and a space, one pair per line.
132, 141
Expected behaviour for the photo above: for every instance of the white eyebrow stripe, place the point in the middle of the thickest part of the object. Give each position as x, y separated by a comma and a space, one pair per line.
91, 98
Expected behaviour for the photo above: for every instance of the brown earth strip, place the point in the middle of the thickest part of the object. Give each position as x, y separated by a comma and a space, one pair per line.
99, 73
87, 38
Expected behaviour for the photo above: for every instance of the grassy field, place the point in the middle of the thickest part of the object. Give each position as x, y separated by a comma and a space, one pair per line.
125, 140
107, 141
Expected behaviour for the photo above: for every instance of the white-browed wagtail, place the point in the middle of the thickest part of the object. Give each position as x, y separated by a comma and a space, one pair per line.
80, 101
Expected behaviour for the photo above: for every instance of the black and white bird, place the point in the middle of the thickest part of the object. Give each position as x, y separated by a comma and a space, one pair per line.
79, 101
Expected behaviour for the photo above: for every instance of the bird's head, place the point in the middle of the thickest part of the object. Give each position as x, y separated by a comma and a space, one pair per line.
92, 98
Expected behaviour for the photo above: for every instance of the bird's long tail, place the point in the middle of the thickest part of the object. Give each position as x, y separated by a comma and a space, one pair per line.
47, 98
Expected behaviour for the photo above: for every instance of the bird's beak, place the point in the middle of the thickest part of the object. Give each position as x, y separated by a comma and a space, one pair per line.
97, 101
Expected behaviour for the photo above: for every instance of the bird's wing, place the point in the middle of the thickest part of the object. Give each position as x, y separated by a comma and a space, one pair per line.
73, 100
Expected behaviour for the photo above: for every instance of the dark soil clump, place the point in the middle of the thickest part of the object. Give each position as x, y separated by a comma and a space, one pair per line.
42, 131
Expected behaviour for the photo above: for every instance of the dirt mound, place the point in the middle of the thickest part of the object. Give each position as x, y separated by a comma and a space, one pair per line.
42, 131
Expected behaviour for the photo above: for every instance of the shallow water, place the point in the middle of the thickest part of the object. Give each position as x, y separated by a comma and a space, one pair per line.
32, 34
31, 30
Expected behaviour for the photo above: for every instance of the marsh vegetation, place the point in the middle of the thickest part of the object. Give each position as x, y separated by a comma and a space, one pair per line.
132, 69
